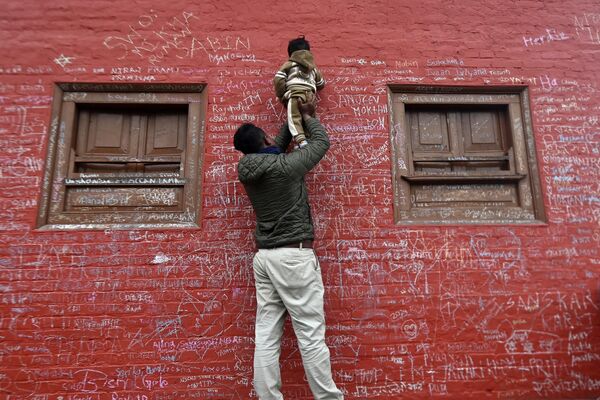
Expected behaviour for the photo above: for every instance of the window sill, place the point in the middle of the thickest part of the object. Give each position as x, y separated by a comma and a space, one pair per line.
114, 227
462, 178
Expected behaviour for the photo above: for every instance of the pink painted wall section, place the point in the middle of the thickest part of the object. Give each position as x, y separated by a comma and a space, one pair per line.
449, 312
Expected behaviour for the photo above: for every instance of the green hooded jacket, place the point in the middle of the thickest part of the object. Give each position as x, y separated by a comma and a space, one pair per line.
275, 185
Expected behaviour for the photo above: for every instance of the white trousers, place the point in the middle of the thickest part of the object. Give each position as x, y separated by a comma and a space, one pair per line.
289, 280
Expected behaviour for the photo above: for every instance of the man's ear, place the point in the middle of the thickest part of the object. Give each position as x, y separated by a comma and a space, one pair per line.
269, 141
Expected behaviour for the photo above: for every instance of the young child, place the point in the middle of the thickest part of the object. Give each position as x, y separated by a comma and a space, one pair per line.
295, 79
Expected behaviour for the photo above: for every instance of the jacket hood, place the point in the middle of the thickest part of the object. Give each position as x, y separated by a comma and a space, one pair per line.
304, 58
252, 166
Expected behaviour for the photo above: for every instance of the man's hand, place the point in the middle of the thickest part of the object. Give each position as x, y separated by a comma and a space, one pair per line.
308, 108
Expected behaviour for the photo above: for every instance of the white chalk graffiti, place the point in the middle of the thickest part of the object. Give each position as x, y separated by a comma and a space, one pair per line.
63, 60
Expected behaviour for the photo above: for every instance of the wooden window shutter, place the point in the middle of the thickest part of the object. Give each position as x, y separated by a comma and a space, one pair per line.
460, 156
130, 157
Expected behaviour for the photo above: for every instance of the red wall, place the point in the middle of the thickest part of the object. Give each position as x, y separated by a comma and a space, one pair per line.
476, 312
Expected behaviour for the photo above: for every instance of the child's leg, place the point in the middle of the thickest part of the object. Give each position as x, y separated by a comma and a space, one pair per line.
295, 119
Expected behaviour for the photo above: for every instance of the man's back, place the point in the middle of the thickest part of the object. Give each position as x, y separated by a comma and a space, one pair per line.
275, 185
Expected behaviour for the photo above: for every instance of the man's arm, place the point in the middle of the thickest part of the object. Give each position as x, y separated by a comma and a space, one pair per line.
284, 137
299, 162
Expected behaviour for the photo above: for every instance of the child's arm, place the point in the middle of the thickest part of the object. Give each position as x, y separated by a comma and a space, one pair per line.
279, 80
319, 81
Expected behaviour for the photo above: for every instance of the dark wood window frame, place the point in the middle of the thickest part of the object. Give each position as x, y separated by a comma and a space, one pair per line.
447, 178
134, 184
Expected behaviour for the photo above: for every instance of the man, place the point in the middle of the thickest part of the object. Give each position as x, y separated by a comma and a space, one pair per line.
286, 270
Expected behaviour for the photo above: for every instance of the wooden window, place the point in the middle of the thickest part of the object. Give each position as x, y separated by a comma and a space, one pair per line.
124, 155
464, 155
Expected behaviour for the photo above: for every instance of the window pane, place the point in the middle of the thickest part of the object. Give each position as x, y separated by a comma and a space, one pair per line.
166, 133
483, 130
102, 132
429, 131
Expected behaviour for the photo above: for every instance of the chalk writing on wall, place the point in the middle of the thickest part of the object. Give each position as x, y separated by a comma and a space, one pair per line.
587, 27
146, 314
155, 40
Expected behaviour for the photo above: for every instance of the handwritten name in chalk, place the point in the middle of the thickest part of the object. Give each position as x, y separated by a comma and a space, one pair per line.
406, 64
154, 42
444, 62
398, 71
232, 56
587, 27
360, 111
551, 35
361, 61
349, 100
351, 88
116, 396
167, 39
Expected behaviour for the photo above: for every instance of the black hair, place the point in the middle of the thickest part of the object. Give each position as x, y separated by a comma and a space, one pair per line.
248, 139
300, 43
